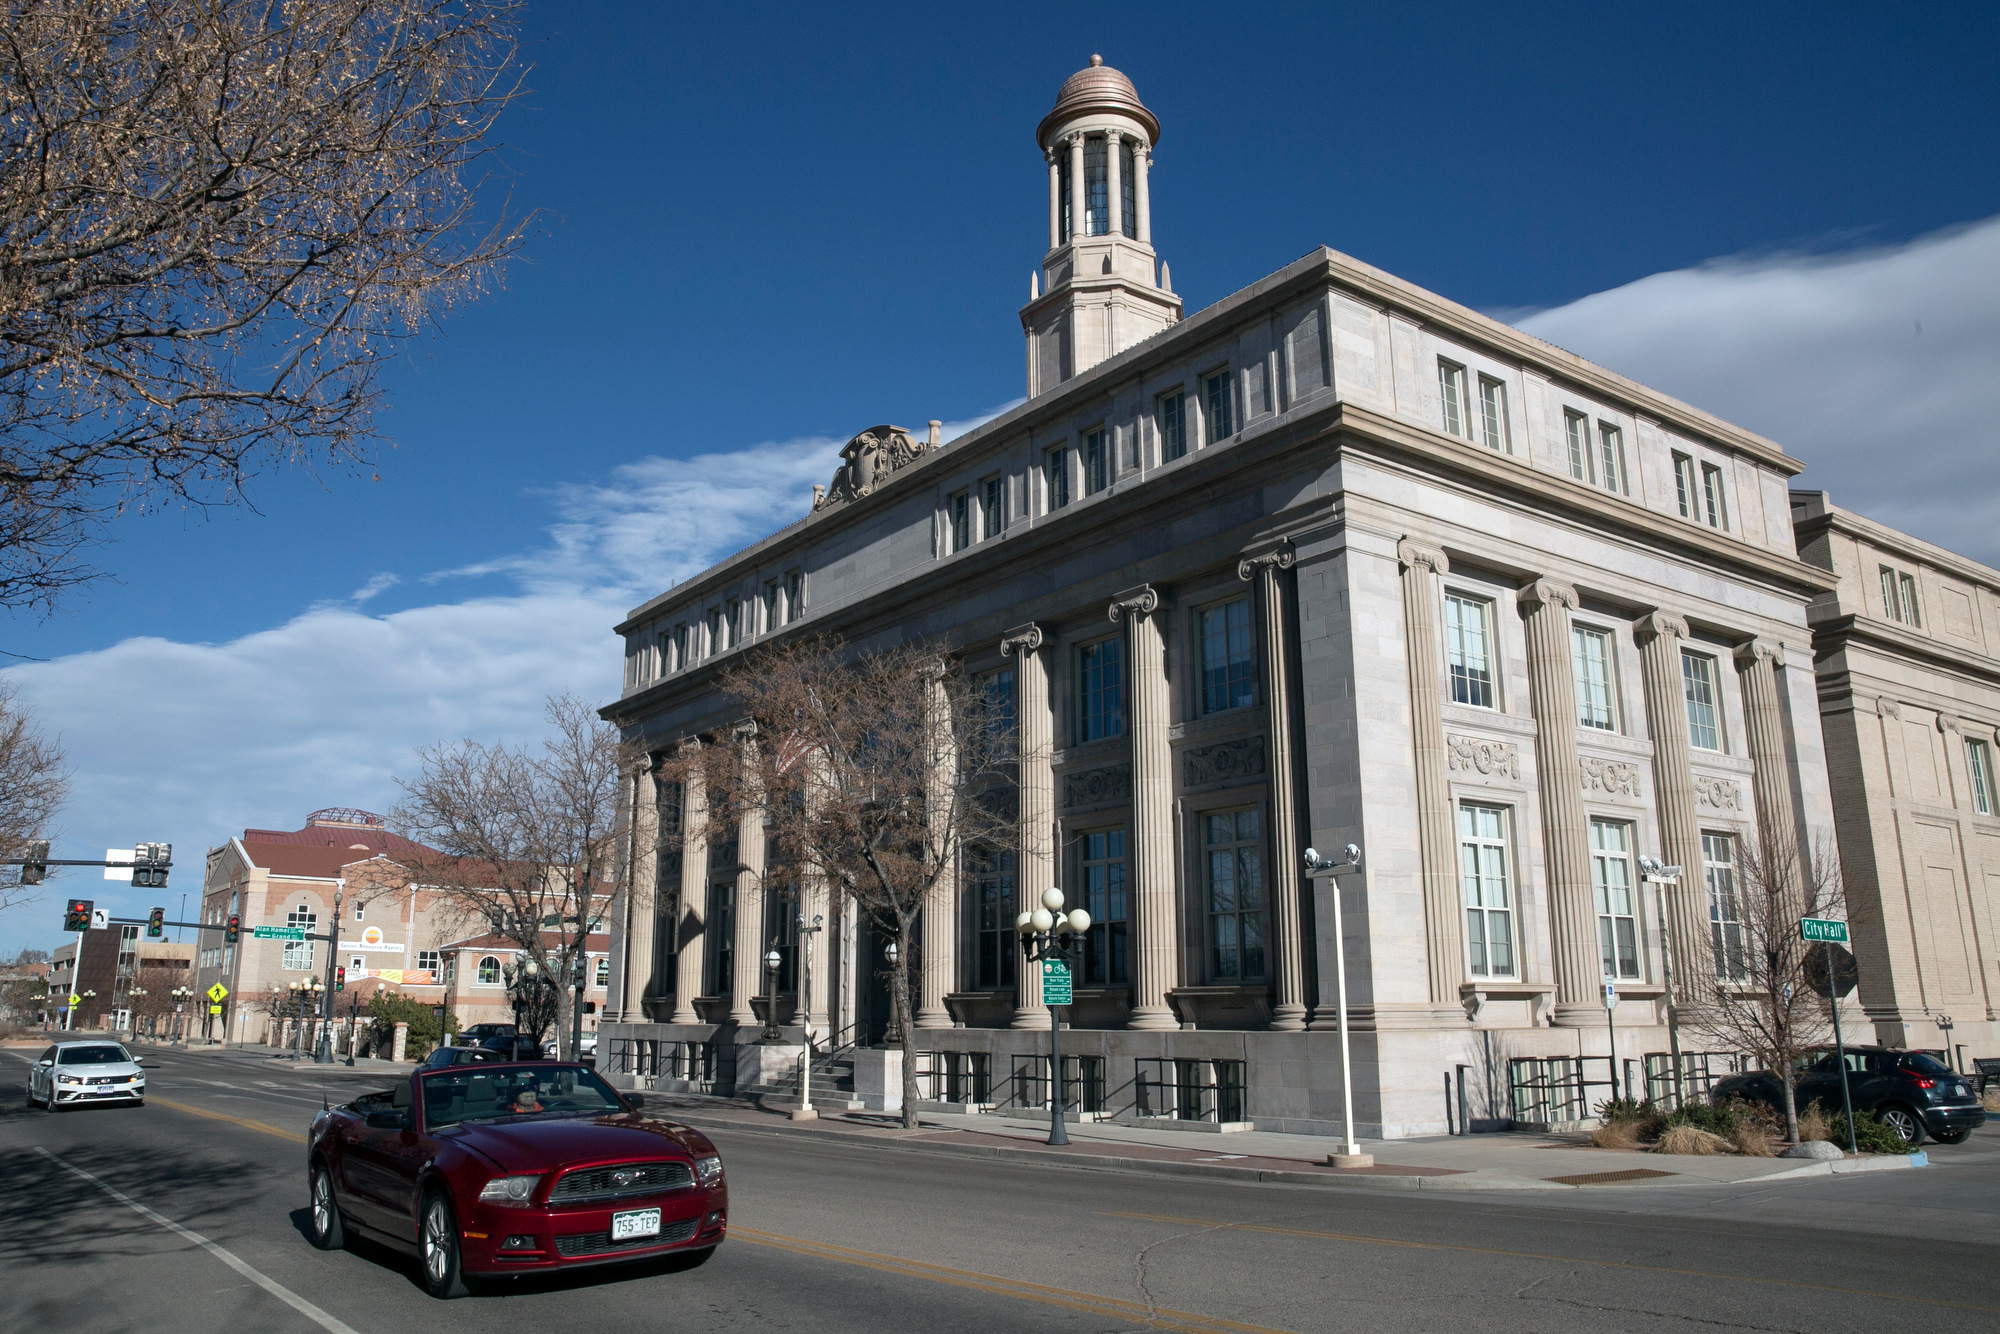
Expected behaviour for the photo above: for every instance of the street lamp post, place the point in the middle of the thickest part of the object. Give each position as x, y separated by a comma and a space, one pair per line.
181, 995
892, 1035
129, 995
771, 961
1052, 936
1651, 871
804, 1111
1320, 868
323, 1049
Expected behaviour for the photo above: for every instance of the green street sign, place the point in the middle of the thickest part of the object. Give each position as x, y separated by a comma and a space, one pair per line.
1055, 982
1822, 929
279, 933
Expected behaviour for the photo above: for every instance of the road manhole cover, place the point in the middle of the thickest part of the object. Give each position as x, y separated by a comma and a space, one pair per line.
1606, 1178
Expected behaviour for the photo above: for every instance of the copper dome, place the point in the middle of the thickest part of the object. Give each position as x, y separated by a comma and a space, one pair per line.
1097, 87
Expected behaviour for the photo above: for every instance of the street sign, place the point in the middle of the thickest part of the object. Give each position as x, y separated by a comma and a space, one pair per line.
74, 1000
1610, 995
215, 1009
1822, 928
100, 919
1830, 970
217, 992
279, 933
1055, 982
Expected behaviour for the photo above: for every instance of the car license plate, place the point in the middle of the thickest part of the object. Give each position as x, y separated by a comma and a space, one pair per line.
635, 1223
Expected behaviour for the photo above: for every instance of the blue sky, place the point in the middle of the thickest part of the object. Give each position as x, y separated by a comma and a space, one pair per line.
766, 227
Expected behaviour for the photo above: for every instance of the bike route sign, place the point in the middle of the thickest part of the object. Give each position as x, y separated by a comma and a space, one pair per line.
1055, 982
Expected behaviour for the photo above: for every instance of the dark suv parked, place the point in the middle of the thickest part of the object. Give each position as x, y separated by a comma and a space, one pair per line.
1912, 1092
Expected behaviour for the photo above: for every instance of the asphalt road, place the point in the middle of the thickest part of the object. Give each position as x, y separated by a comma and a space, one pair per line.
206, 1234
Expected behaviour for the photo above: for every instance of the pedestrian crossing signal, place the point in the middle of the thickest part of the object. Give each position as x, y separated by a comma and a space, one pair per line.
156, 923
76, 917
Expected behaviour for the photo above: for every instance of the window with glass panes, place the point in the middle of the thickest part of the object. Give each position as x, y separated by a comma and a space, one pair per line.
1173, 426
603, 976
781, 933
1979, 766
1725, 908
299, 953
1098, 196
1468, 649
996, 710
1096, 461
1611, 457
1611, 882
1100, 691
1684, 490
994, 907
1493, 414
1101, 872
1899, 597
1228, 660
1233, 842
1451, 395
1698, 684
1590, 652
1128, 187
795, 588
1055, 476
959, 513
1714, 499
992, 506
1576, 429
718, 637
1219, 404
1486, 881
774, 605
721, 926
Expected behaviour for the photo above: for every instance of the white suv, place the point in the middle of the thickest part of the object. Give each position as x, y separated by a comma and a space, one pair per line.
89, 1070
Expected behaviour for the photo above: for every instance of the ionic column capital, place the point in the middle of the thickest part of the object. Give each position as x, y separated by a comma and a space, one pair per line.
1280, 556
1948, 724
1416, 555
1135, 602
1657, 624
1022, 639
1549, 592
1756, 651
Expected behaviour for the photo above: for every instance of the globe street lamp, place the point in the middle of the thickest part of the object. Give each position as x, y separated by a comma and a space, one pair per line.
135, 991
894, 1033
771, 961
181, 997
1052, 936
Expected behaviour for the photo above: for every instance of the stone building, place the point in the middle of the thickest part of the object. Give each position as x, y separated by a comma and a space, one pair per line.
1908, 654
1335, 560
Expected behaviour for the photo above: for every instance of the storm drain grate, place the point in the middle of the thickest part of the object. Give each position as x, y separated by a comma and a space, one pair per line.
1606, 1178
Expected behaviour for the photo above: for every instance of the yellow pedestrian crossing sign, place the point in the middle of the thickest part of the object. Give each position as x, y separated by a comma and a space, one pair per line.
74, 1000
217, 992
215, 1009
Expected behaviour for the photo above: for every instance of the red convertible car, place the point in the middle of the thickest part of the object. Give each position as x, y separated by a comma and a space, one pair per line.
499, 1169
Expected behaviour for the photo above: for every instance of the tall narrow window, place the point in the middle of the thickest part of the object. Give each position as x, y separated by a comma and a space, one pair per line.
1611, 457
1227, 660
1055, 476
1684, 491
795, 591
1698, 681
1100, 691
1910, 613
1234, 843
733, 623
1451, 393
1576, 428
1468, 650
1220, 402
1484, 874
1892, 598
1098, 198
992, 506
1611, 880
1715, 503
1128, 192
1979, 765
1096, 461
1107, 951
1068, 213
774, 605
993, 917
959, 515
717, 641
996, 710
663, 653
1725, 908
1173, 426
1493, 414
1590, 651
299, 953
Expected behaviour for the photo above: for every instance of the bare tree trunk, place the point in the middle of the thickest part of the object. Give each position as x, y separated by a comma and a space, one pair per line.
1791, 1108
904, 1031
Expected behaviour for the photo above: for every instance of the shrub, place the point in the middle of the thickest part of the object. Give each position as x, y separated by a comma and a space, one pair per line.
1814, 1125
1625, 1133
387, 1009
1870, 1135
1686, 1138
1702, 1116
1990, 1099
1752, 1141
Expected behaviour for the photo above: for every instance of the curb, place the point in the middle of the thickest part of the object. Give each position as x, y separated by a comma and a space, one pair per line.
1887, 1162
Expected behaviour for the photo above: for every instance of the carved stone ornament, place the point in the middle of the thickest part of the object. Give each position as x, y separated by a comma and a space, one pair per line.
1659, 624
1946, 723
1141, 601
1241, 758
1095, 787
1717, 794
1414, 555
1610, 776
1887, 707
1490, 758
867, 461
1280, 557
1021, 639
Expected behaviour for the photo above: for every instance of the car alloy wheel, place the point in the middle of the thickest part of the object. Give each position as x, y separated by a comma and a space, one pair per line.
440, 1249
1909, 1127
327, 1232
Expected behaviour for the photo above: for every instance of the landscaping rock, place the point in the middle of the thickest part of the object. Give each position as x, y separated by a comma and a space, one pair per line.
1813, 1148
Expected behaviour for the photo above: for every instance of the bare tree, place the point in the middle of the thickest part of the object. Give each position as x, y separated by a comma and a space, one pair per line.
217, 217
874, 771
1758, 997
34, 783
525, 839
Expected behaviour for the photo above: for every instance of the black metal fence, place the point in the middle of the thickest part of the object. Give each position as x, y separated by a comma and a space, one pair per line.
649, 1061
1189, 1090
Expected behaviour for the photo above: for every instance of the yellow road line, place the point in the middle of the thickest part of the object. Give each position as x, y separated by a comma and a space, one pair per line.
244, 1121
1158, 1317
1362, 1239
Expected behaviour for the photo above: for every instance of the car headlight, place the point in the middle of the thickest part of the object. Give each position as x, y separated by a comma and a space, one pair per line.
708, 1170
508, 1190
68, 1079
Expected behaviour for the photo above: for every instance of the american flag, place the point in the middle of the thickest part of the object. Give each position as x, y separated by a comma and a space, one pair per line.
797, 745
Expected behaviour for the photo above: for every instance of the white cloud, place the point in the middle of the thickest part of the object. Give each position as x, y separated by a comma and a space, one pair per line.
1875, 368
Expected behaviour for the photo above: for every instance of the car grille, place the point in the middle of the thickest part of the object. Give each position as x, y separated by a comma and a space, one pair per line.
601, 1183
108, 1079
596, 1243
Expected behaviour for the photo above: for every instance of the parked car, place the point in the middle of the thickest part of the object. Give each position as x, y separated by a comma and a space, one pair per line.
552, 1048
478, 1033
500, 1169
514, 1046
447, 1056
69, 1074
1912, 1092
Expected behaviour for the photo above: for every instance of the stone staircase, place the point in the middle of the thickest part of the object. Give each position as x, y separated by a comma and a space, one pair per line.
832, 1083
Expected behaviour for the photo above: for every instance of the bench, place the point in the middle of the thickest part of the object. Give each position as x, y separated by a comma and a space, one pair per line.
1989, 1071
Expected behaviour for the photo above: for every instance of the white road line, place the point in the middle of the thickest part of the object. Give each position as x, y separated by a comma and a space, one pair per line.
331, 1324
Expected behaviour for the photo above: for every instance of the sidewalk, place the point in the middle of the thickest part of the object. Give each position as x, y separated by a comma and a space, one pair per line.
1515, 1161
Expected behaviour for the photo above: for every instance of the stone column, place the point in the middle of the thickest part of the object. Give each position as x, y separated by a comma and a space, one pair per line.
1114, 185
938, 960
642, 894
1055, 199
1579, 967
747, 976
1079, 190
1155, 911
1757, 664
1266, 570
1142, 161
690, 922
1659, 636
1035, 859
1437, 840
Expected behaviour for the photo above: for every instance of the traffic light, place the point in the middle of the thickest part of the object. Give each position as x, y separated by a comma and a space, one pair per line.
76, 917
156, 923
35, 862
340, 979
149, 865
229, 931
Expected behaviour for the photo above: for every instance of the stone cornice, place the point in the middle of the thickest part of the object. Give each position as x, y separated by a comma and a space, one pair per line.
1831, 634
1821, 516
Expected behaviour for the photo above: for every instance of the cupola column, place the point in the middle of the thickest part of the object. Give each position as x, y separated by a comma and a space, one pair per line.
1055, 200
1142, 203
1079, 190
1114, 184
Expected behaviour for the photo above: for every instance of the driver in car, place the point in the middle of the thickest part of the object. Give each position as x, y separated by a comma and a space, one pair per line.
527, 1101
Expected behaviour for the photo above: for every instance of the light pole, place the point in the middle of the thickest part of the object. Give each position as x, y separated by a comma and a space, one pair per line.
129, 995
804, 1111
771, 961
87, 997
323, 1049
1651, 871
1943, 1021
1325, 868
894, 1034
181, 997
1052, 936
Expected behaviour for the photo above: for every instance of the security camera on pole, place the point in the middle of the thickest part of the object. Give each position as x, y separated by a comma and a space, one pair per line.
1054, 939
1322, 868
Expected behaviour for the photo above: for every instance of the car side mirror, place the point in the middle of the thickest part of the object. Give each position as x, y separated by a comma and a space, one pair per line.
388, 1121
45, 1061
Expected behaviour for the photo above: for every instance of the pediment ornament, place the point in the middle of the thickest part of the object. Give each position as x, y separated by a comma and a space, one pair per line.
868, 460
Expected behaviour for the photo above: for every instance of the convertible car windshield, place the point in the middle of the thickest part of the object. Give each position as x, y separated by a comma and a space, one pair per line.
472, 1093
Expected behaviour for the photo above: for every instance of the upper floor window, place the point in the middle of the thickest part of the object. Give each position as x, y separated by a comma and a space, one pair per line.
489, 971
1611, 881
958, 518
735, 625
718, 632
603, 978
1234, 842
1590, 652
680, 648
663, 653
1725, 908
1899, 597
795, 591
1714, 500
1098, 193
1468, 649
1107, 949
1173, 425
992, 506
1128, 191
1979, 764
1227, 658
1055, 476
774, 605
1484, 873
1219, 403
1493, 414
1451, 393
1610, 457
1684, 485
1096, 461
1698, 682
360, 911
299, 953
1100, 692
429, 961
996, 707
1576, 430
993, 917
